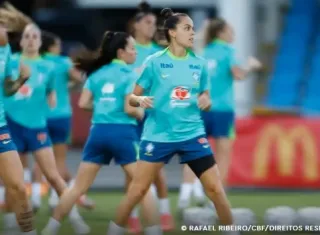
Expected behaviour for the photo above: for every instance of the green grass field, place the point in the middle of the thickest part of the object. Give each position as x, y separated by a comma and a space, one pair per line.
107, 203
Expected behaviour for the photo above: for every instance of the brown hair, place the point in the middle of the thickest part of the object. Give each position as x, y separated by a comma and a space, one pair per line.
213, 29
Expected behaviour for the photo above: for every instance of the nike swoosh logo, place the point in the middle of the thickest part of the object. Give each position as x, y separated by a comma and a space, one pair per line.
165, 75
6, 141
206, 146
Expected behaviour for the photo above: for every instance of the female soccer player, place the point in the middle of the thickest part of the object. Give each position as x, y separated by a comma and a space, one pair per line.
144, 28
59, 118
113, 132
219, 122
177, 80
11, 170
26, 114
223, 69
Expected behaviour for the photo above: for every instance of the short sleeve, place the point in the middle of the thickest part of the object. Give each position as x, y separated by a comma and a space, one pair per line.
145, 78
68, 64
88, 84
51, 82
233, 61
8, 64
204, 79
130, 83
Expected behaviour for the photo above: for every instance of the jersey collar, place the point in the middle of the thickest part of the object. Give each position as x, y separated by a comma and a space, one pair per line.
221, 42
117, 61
172, 56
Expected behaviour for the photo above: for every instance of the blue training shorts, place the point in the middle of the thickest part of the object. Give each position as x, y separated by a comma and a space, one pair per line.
6, 143
28, 139
111, 141
59, 129
163, 152
219, 124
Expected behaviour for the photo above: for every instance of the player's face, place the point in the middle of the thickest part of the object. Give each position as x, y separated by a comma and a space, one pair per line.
31, 40
227, 34
56, 47
184, 32
147, 26
129, 53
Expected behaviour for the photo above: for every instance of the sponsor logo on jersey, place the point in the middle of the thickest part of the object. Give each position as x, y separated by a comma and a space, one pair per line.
180, 93
194, 66
166, 66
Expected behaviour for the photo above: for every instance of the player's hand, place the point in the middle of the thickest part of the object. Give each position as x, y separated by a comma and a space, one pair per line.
24, 71
254, 63
204, 102
145, 102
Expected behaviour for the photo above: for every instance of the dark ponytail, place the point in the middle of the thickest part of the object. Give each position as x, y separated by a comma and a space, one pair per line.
171, 20
214, 27
48, 40
89, 61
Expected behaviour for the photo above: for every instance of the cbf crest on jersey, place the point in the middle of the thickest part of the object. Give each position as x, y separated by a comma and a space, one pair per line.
196, 76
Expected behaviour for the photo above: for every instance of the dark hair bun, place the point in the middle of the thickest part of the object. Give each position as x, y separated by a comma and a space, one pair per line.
144, 7
109, 35
166, 13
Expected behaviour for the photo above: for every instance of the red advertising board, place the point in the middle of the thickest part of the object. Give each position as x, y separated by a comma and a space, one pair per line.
268, 152
276, 152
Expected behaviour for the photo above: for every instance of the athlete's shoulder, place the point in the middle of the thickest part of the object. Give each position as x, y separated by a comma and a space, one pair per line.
156, 47
197, 58
64, 59
16, 56
155, 56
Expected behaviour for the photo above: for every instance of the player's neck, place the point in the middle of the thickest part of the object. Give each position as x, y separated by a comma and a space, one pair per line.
178, 51
31, 55
142, 40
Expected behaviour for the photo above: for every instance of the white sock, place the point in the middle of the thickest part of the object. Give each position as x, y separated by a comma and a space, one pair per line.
33, 232
27, 175
10, 221
36, 194
154, 190
153, 230
184, 195
53, 199
114, 229
53, 226
198, 190
164, 206
71, 183
2, 195
74, 213
135, 213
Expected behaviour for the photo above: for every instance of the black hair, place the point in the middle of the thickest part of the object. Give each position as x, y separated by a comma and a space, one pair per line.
171, 20
89, 61
14, 41
48, 40
214, 27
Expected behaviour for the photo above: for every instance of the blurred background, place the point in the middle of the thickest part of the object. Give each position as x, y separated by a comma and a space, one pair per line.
278, 109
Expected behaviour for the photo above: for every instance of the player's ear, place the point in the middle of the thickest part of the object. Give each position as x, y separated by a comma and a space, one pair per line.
172, 33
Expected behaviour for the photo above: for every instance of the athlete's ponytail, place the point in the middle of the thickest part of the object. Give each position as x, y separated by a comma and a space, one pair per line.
15, 22
91, 61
